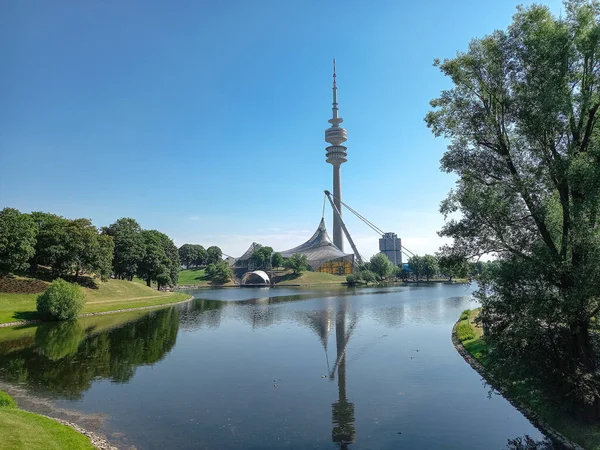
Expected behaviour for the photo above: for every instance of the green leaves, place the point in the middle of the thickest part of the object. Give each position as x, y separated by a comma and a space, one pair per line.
17, 240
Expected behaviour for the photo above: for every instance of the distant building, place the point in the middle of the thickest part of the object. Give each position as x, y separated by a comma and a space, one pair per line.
391, 246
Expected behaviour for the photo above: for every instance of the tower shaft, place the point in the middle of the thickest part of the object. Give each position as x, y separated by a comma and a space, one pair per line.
336, 156
338, 237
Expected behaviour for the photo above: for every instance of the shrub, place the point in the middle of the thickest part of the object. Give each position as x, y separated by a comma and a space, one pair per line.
368, 276
6, 401
61, 301
353, 279
465, 314
464, 331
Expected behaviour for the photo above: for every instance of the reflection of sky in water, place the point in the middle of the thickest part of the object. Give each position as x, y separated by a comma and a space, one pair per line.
293, 368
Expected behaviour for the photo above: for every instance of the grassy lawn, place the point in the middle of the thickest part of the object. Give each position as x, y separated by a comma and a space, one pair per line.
109, 296
584, 433
28, 431
192, 276
311, 278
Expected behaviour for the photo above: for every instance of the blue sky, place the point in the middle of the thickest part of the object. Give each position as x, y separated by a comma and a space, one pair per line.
206, 119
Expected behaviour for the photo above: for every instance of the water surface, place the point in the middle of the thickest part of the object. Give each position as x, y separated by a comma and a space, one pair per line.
294, 368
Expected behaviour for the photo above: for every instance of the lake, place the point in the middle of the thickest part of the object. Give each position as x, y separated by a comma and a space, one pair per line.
290, 368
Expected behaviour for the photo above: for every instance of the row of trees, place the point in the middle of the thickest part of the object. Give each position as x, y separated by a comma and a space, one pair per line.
68, 247
76, 247
264, 258
193, 255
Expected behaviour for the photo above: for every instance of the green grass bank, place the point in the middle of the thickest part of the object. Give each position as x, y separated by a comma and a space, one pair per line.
522, 392
22, 430
112, 295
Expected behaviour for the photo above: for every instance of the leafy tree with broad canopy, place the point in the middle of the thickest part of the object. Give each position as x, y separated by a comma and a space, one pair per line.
277, 260
161, 259
297, 263
129, 247
17, 240
219, 272
381, 265
522, 121
261, 257
213, 255
430, 266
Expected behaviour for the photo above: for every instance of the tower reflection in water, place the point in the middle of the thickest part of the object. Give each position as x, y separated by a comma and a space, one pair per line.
343, 433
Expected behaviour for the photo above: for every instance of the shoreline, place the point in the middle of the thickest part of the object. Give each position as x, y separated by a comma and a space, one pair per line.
102, 313
529, 413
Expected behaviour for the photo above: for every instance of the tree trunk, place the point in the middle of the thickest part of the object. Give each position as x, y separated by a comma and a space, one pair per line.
77, 273
583, 348
148, 282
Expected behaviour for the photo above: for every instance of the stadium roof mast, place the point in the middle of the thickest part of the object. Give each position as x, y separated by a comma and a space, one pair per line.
336, 156
336, 213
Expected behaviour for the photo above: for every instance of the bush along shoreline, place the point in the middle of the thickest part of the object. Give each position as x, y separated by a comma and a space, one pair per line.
562, 429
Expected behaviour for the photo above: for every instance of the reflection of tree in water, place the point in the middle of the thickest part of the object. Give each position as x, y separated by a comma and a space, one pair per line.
112, 355
200, 313
59, 340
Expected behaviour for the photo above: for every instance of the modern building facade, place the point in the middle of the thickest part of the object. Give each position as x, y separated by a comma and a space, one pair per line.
336, 156
391, 246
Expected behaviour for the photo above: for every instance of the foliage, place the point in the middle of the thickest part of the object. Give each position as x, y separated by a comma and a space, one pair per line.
416, 264
453, 266
17, 240
403, 274
261, 257
192, 255
430, 266
219, 272
353, 279
464, 331
298, 263
6, 401
61, 301
465, 314
368, 276
277, 260
161, 259
524, 141
381, 265
213, 254
129, 247
50, 240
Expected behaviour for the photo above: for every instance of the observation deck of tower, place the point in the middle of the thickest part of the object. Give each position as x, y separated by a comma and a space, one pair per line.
336, 156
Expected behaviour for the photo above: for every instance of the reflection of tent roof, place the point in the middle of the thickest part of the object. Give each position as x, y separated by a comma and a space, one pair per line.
318, 249
248, 253
256, 277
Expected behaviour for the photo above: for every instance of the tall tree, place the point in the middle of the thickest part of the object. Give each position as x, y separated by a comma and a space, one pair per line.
452, 265
200, 256
161, 259
430, 266
129, 247
381, 265
298, 263
416, 266
261, 257
277, 260
17, 240
50, 246
522, 120
213, 255
187, 255
82, 248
